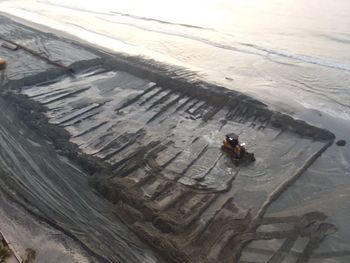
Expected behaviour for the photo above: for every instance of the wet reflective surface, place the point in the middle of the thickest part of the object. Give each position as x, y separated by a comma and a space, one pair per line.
272, 62
59, 192
270, 49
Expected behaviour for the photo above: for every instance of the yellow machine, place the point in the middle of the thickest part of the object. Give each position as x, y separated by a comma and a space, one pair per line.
236, 150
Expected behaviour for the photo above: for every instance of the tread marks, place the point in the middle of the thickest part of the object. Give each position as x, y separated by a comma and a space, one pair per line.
160, 100
77, 113
119, 143
83, 117
210, 114
231, 113
211, 167
184, 104
64, 96
192, 105
201, 153
133, 161
91, 129
153, 95
164, 109
49, 94
136, 98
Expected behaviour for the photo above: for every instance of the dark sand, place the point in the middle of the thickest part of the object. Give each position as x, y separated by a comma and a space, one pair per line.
148, 137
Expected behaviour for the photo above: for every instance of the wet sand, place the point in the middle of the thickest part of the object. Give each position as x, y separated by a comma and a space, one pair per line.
24, 231
148, 138
56, 191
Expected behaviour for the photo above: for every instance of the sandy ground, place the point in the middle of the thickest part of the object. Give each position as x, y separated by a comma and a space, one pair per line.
26, 231
150, 138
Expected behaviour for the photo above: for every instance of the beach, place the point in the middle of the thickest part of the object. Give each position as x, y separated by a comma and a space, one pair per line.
132, 168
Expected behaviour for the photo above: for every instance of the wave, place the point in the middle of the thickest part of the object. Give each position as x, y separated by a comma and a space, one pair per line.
48, 2
335, 39
187, 36
162, 21
302, 58
125, 15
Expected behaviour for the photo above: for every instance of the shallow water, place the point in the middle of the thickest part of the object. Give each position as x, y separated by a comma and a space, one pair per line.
26, 231
118, 117
270, 49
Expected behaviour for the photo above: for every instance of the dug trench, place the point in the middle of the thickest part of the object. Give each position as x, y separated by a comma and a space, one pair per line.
149, 137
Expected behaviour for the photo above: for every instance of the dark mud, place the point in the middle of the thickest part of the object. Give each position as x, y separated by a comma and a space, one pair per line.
55, 190
150, 136
24, 231
341, 143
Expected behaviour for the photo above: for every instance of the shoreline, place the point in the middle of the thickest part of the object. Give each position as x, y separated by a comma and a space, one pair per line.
131, 205
311, 115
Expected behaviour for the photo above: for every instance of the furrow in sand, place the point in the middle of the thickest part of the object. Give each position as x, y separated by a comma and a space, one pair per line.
63, 96
151, 145
76, 114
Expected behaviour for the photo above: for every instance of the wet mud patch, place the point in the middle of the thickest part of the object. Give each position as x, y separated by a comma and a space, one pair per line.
150, 139
165, 171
